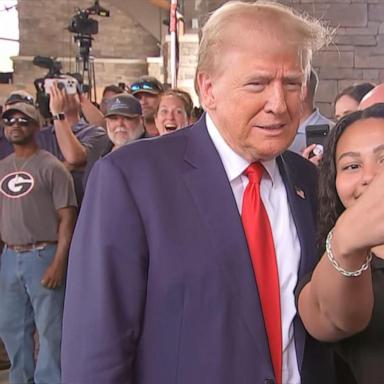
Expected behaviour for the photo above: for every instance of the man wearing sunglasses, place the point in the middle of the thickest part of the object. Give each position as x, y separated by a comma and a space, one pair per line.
147, 89
37, 217
18, 96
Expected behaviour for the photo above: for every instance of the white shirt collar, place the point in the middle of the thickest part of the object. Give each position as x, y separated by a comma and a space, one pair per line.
233, 163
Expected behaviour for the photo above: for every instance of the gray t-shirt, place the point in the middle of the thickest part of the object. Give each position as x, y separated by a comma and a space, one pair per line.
31, 192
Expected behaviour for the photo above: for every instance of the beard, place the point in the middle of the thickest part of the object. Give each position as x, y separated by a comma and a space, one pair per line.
20, 140
122, 135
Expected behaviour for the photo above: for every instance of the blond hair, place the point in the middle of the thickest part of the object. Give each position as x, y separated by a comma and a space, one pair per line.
307, 34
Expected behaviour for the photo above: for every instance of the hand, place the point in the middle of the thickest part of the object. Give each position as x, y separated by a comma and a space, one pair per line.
72, 107
54, 275
361, 226
84, 98
314, 159
57, 99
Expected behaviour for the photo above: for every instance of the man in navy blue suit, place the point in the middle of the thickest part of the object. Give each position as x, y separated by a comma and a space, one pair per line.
161, 286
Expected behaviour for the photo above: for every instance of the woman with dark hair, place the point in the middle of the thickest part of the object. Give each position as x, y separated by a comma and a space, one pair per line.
348, 99
343, 300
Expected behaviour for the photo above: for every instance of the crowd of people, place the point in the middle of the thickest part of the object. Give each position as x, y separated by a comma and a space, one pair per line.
145, 241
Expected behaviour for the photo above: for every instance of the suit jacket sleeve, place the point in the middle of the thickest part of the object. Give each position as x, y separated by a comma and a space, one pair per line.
106, 284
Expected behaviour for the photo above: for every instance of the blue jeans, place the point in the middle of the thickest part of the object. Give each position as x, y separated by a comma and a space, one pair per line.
24, 304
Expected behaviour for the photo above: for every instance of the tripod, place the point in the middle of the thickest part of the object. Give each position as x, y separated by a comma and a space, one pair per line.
85, 64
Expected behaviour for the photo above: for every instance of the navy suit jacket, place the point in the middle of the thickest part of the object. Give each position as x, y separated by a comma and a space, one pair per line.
160, 284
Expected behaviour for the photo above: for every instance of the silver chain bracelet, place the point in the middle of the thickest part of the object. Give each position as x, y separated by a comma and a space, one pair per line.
337, 266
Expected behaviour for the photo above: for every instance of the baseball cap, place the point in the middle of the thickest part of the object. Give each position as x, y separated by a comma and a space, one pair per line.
19, 96
25, 108
123, 104
147, 84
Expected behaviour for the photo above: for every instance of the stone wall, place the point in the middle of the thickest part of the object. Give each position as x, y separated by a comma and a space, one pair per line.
357, 54
358, 51
121, 47
43, 30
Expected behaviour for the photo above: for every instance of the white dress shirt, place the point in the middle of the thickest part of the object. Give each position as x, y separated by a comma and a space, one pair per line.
287, 245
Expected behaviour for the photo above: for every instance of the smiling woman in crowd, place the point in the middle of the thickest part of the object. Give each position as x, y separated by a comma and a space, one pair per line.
174, 111
343, 300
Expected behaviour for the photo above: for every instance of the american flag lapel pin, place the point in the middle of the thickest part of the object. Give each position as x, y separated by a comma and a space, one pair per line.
300, 192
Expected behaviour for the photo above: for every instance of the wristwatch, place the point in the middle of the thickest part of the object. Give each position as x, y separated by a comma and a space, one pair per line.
59, 116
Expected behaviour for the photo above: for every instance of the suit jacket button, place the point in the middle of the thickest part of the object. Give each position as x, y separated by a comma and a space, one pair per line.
269, 381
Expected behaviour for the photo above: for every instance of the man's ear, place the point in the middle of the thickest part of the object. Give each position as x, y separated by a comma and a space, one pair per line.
204, 81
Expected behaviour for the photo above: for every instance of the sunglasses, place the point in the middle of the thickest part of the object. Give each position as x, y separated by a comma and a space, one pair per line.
16, 98
22, 121
144, 86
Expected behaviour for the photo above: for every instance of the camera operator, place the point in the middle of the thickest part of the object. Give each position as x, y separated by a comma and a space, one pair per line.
65, 113
71, 139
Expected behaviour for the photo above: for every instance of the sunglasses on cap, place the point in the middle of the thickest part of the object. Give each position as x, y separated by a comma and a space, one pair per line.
22, 121
144, 86
17, 98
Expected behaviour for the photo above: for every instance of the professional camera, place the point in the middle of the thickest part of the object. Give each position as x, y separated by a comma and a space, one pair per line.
83, 27
54, 67
72, 82
54, 72
82, 24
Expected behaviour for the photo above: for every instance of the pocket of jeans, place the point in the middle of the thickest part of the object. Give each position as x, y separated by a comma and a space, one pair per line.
46, 254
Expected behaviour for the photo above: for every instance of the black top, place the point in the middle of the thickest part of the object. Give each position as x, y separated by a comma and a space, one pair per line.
364, 352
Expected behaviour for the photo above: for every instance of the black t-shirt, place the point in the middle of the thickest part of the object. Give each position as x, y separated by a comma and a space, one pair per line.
364, 352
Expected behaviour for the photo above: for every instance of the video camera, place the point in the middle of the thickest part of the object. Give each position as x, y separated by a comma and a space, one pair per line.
84, 27
54, 66
72, 82
82, 24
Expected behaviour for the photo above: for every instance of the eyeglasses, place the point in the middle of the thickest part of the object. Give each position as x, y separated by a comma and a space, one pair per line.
144, 86
17, 98
22, 121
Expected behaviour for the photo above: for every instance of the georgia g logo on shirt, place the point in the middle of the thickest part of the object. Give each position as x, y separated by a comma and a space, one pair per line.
16, 184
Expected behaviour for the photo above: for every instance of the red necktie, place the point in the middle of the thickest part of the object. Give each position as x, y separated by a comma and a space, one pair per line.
261, 247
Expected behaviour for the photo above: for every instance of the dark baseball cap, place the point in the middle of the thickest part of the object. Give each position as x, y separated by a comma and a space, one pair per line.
147, 84
19, 96
123, 104
24, 108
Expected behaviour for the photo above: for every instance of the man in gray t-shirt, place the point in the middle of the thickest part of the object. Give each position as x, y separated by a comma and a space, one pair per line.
37, 217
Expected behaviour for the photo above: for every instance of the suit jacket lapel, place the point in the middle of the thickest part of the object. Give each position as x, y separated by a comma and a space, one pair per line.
299, 198
208, 184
